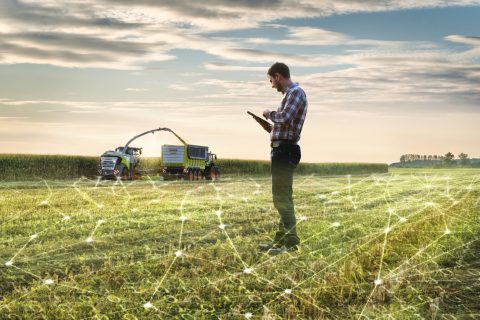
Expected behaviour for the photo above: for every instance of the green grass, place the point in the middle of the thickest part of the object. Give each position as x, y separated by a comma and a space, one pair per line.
416, 231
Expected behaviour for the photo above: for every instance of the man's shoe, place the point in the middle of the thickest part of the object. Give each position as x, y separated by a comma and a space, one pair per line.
282, 249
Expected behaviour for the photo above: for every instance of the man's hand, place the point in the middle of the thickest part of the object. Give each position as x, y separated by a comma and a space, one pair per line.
266, 114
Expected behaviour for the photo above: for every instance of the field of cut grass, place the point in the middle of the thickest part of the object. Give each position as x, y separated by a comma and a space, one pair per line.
398, 245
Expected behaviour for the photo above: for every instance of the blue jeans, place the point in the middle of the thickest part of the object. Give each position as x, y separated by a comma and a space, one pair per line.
285, 159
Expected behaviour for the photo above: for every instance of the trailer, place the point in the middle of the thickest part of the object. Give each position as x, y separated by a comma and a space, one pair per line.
190, 162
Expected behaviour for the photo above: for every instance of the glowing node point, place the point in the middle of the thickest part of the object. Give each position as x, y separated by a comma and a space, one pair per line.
402, 219
48, 281
303, 218
218, 189
378, 282
183, 218
336, 224
387, 229
245, 199
9, 263
447, 231
248, 315
218, 213
468, 188
148, 305
89, 240
455, 202
178, 253
134, 210
44, 203
221, 226
66, 218
429, 203
428, 186
100, 206
390, 210
231, 196
349, 198
100, 221
155, 201
354, 207
33, 236
334, 193
247, 270
288, 291
322, 196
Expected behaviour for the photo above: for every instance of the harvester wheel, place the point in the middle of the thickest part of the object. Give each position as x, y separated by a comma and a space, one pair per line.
123, 172
190, 175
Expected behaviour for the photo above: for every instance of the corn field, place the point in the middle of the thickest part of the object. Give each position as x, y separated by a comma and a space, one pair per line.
21, 167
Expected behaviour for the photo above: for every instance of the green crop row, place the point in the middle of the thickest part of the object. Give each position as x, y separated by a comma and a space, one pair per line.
19, 167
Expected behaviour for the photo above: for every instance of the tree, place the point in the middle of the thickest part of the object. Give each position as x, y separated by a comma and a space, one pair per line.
463, 158
448, 157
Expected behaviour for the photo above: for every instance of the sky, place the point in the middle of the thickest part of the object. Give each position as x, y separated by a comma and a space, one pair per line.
382, 78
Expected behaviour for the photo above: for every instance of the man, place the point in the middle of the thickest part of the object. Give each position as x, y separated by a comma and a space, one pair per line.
285, 155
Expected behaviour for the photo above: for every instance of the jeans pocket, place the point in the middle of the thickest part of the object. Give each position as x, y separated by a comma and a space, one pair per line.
294, 155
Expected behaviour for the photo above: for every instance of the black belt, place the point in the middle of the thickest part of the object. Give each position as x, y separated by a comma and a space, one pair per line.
278, 143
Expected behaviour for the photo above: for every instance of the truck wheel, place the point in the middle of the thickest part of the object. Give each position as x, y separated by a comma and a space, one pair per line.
211, 173
190, 175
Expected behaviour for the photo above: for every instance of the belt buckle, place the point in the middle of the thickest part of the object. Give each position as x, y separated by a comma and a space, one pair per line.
276, 144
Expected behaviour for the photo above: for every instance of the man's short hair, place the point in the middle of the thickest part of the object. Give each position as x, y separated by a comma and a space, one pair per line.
279, 67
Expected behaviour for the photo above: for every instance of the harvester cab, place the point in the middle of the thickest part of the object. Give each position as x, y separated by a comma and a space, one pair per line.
120, 163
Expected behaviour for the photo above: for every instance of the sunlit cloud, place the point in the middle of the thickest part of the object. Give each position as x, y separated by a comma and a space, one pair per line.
136, 89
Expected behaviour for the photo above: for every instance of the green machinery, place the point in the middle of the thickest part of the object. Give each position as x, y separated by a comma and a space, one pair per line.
187, 161
178, 161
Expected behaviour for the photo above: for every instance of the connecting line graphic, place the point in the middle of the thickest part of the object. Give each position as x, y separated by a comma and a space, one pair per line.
183, 218
177, 255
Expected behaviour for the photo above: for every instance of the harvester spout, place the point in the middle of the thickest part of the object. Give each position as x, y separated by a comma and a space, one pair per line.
153, 131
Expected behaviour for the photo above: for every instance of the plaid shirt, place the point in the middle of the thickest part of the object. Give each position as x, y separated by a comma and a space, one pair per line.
288, 119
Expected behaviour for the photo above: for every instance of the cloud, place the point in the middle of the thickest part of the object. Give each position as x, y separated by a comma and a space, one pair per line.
121, 34
136, 89
220, 66
470, 40
179, 87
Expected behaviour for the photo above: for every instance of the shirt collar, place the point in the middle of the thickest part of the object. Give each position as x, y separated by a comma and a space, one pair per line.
291, 86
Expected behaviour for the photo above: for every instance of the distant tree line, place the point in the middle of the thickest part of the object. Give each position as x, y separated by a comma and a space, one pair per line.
448, 158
